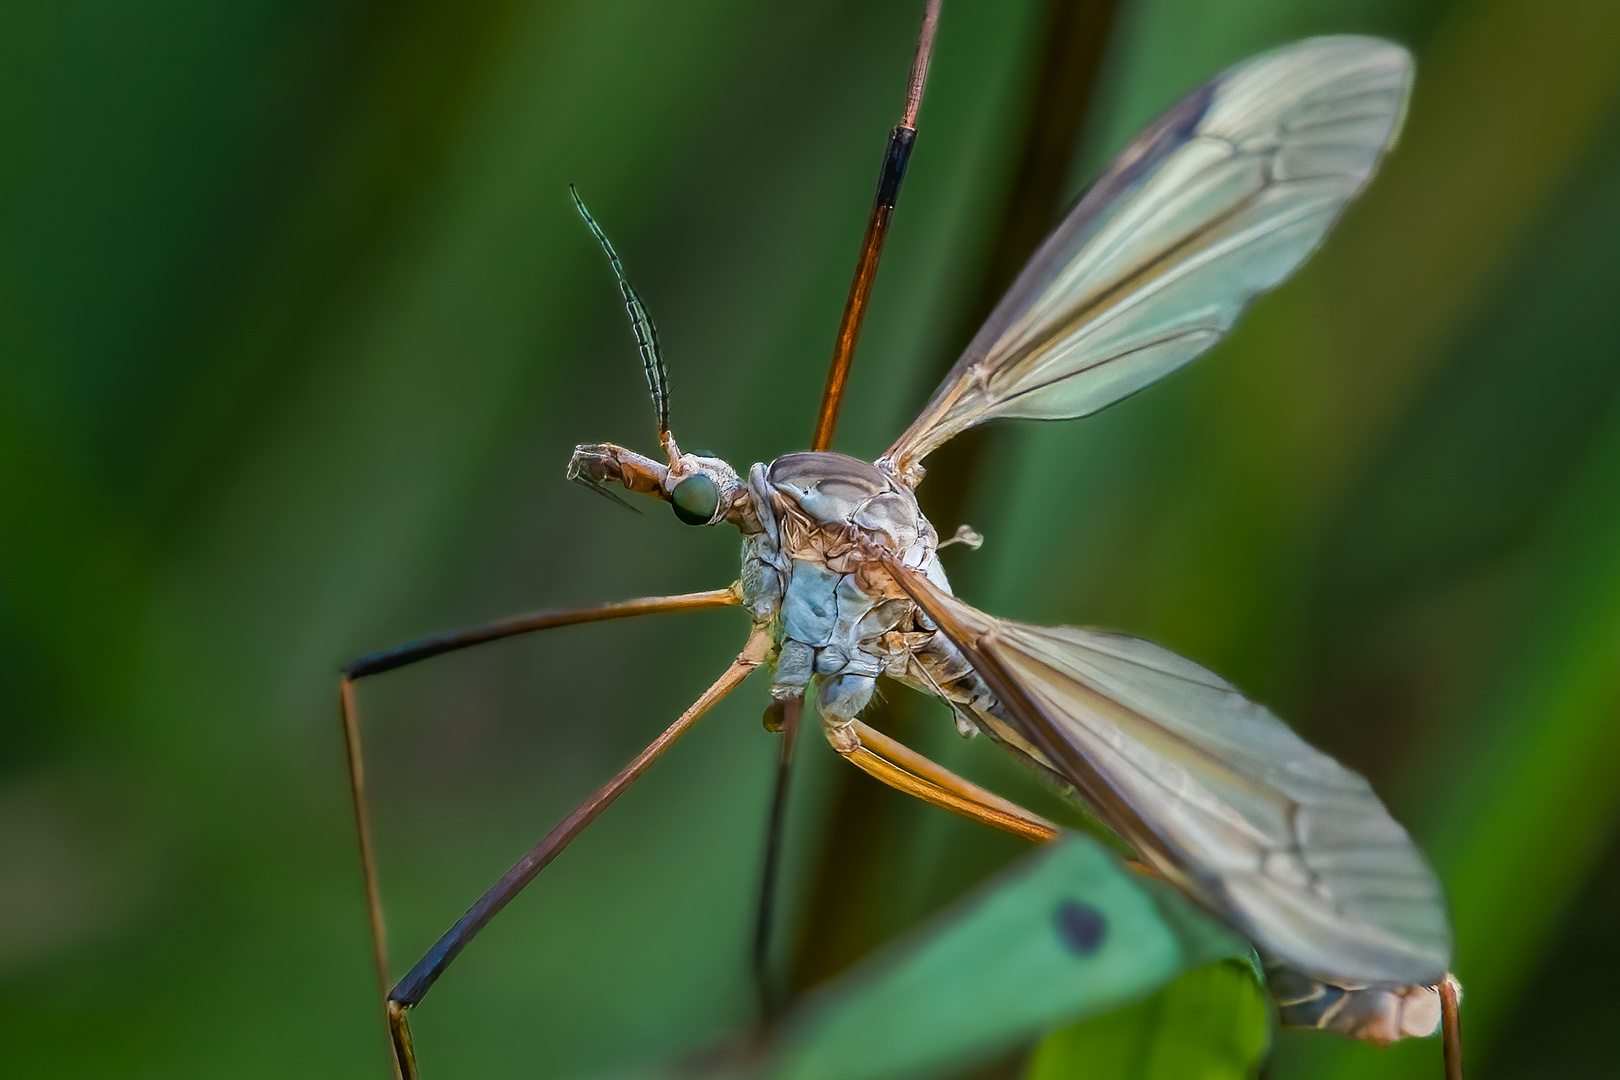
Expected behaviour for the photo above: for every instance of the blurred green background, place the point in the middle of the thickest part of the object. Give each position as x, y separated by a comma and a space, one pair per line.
298, 328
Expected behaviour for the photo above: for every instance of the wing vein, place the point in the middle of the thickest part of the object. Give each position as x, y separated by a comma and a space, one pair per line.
1215, 204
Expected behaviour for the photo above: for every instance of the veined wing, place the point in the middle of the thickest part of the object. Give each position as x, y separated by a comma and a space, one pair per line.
1216, 203
1215, 793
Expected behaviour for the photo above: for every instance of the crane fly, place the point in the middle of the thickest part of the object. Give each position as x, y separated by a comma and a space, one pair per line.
1215, 203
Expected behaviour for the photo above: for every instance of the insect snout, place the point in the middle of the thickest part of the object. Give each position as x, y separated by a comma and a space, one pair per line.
599, 464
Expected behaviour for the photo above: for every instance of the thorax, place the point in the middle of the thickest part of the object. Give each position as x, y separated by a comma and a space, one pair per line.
828, 521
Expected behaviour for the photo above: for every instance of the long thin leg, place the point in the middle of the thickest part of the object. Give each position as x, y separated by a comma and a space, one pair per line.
437, 645
1451, 1026
877, 229
362, 830
903, 769
424, 648
765, 913
416, 983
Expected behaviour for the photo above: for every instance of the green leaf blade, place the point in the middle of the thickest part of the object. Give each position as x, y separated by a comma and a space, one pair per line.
1070, 933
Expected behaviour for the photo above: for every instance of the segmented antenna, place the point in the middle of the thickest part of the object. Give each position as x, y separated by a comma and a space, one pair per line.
652, 357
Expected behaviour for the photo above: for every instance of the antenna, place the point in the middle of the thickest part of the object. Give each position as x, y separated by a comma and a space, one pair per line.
652, 357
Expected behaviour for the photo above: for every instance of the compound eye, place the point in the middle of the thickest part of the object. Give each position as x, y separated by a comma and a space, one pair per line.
695, 499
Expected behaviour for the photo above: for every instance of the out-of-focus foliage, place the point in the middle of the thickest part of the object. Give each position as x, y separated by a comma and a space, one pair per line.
298, 327
1210, 1024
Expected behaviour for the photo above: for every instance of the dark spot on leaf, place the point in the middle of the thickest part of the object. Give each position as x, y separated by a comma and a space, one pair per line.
1080, 927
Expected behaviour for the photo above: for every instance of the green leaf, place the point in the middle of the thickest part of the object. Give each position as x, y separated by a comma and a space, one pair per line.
1069, 933
1210, 1024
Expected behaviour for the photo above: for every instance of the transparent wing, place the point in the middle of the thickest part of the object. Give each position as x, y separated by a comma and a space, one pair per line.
1215, 793
1217, 202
